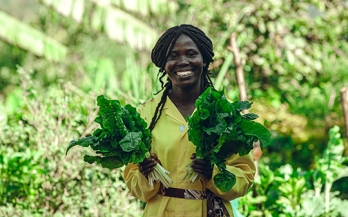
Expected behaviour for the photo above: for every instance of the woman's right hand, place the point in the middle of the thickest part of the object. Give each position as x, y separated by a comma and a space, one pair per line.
148, 164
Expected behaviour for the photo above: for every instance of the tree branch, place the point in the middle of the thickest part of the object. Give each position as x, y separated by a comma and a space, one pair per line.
239, 66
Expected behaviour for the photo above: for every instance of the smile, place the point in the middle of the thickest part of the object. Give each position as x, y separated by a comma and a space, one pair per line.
185, 73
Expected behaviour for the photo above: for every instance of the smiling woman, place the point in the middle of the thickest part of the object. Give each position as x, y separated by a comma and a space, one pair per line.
184, 65
183, 53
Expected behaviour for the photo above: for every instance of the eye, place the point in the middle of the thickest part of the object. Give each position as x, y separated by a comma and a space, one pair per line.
172, 56
191, 54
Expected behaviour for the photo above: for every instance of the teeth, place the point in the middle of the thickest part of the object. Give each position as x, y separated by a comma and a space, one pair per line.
184, 73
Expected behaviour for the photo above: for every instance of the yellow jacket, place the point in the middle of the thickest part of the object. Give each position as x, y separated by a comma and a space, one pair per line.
170, 143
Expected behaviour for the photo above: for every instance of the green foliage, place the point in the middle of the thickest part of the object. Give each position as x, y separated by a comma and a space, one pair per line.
219, 130
289, 192
37, 178
332, 162
293, 51
295, 60
21, 175
123, 136
28, 38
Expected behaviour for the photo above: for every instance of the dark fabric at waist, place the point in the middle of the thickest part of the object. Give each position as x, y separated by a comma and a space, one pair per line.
184, 193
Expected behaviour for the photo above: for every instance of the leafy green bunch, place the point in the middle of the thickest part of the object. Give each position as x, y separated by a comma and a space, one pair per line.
219, 130
123, 138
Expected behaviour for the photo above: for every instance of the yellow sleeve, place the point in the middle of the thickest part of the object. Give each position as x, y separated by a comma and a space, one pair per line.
243, 168
138, 184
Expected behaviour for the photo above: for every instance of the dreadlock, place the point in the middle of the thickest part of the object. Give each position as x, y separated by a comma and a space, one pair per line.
159, 56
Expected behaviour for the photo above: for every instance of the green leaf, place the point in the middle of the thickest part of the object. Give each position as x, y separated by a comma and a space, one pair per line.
250, 116
223, 106
218, 129
90, 159
195, 136
127, 119
131, 142
241, 105
84, 142
203, 114
258, 130
106, 162
224, 180
110, 162
123, 136
138, 156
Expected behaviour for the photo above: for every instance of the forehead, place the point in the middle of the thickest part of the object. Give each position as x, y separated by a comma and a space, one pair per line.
184, 42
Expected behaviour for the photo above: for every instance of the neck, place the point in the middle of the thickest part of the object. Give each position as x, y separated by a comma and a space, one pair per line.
185, 97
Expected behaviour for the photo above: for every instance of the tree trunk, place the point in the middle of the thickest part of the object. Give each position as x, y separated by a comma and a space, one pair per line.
239, 67
344, 102
239, 64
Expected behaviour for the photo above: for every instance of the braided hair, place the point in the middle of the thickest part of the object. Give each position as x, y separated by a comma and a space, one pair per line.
160, 53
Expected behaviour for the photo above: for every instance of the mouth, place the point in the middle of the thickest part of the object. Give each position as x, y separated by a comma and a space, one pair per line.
184, 73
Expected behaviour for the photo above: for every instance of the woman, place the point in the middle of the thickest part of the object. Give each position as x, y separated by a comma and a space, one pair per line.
183, 53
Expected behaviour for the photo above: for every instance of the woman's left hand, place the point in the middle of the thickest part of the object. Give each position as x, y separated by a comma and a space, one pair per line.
201, 166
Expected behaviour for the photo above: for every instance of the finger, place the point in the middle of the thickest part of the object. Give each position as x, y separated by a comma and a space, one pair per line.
145, 170
204, 169
146, 161
201, 162
148, 164
201, 167
149, 170
154, 156
205, 173
193, 156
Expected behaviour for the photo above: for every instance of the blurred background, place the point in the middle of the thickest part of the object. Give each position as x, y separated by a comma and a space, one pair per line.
57, 56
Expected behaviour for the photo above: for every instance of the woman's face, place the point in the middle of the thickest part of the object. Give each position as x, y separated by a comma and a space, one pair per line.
184, 65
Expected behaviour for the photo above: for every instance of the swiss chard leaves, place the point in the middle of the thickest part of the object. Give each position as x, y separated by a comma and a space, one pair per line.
219, 130
123, 136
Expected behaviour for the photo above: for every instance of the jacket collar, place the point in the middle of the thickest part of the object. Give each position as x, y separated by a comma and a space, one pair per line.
169, 108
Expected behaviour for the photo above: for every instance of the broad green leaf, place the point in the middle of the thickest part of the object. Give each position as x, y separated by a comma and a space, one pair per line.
195, 136
106, 162
258, 130
110, 162
314, 206
128, 120
90, 159
123, 136
218, 129
250, 116
84, 142
131, 142
203, 114
224, 180
241, 105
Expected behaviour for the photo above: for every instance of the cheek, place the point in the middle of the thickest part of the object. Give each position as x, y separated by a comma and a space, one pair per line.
167, 69
168, 66
199, 64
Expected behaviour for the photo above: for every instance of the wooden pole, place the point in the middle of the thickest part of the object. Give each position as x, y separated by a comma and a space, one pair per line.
239, 64
344, 102
239, 67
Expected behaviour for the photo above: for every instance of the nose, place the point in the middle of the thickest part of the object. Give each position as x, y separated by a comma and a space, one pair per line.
182, 60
